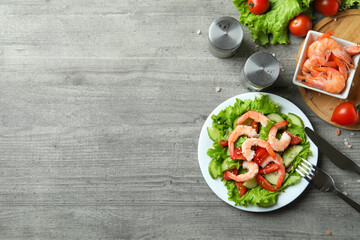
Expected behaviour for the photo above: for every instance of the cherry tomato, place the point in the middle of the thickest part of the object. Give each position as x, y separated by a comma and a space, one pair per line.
294, 139
327, 7
260, 155
346, 114
223, 143
264, 183
255, 125
272, 167
234, 171
258, 6
300, 25
241, 189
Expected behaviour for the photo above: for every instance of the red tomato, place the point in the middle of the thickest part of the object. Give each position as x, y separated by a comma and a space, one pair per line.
255, 125
327, 7
294, 139
300, 25
272, 167
264, 183
346, 114
258, 6
241, 189
238, 155
234, 171
260, 155
223, 143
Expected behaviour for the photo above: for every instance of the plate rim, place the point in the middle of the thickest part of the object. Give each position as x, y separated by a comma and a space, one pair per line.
302, 185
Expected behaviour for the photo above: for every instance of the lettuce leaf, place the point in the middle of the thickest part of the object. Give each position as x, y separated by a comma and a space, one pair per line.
264, 131
347, 4
255, 196
226, 117
274, 22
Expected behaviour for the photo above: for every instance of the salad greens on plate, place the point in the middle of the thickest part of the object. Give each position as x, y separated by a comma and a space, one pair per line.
224, 123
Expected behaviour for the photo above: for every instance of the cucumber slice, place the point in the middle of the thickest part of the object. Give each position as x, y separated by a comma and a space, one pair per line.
275, 117
214, 134
247, 122
295, 120
214, 169
291, 153
228, 164
249, 183
273, 177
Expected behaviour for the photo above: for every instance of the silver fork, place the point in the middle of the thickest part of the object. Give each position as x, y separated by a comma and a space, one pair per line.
322, 181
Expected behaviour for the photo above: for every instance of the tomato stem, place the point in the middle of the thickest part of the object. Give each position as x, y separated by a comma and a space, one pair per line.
357, 106
251, 5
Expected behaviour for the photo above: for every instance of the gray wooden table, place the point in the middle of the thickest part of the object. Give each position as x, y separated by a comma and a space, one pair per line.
101, 106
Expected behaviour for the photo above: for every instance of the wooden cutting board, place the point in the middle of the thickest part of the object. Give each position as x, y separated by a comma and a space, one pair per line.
346, 25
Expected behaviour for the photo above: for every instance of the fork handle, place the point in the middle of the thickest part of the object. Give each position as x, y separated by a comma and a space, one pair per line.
347, 199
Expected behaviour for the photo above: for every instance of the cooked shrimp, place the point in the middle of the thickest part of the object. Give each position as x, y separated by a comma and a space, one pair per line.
254, 115
311, 52
333, 83
310, 68
253, 170
342, 67
327, 46
281, 171
249, 154
283, 143
352, 50
325, 35
236, 133
266, 161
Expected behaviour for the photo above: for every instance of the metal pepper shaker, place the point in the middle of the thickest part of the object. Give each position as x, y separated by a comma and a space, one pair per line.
225, 37
260, 71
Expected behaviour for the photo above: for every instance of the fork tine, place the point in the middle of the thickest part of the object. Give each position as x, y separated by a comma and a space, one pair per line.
306, 177
312, 166
299, 172
303, 170
305, 166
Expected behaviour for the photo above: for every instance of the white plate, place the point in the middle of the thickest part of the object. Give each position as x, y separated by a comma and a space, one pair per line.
310, 38
291, 193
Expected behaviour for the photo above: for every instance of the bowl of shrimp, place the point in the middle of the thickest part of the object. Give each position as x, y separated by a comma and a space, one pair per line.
327, 64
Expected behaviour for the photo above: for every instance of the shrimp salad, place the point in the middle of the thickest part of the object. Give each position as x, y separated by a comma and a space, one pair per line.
327, 64
256, 150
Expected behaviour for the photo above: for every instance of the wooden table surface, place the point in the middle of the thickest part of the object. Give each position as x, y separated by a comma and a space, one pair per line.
101, 107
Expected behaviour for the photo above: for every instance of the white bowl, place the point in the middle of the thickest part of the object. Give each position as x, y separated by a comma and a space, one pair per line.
310, 38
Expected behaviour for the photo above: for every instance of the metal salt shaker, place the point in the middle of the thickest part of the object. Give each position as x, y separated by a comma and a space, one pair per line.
225, 37
260, 71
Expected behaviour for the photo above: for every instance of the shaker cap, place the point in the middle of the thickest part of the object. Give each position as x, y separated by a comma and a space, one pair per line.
261, 69
225, 33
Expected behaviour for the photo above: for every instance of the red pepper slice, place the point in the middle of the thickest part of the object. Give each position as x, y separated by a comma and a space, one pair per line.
272, 167
264, 183
241, 189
